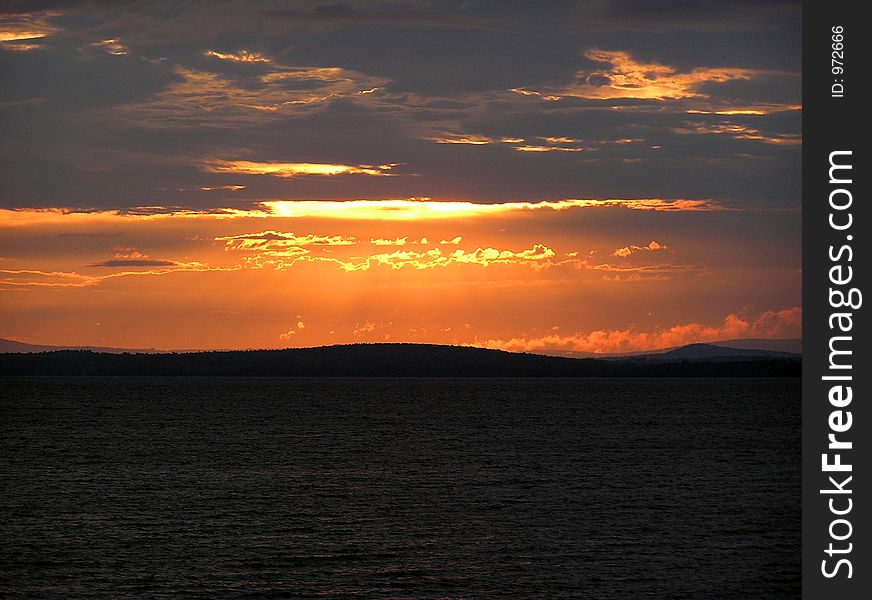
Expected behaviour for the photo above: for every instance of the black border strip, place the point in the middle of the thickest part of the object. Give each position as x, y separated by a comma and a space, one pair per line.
832, 122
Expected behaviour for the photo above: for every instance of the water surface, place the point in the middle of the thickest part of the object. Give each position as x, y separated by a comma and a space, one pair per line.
401, 488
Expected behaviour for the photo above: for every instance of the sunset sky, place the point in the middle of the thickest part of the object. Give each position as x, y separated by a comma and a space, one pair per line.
603, 176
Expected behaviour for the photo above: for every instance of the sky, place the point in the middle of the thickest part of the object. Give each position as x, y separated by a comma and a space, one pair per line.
561, 177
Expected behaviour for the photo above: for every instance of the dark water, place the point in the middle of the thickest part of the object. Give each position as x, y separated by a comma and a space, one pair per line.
586, 488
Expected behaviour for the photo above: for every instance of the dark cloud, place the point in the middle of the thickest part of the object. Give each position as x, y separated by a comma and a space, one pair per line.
373, 83
343, 13
88, 234
70, 78
134, 262
774, 88
710, 16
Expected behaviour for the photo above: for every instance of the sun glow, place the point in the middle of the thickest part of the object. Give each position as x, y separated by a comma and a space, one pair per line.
425, 209
354, 210
289, 170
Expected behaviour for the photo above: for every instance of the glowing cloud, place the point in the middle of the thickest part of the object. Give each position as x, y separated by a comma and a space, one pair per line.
400, 241
112, 46
131, 257
134, 262
20, 46
18, 27
537, 256
300, 326
290, 170
227, 188
472, 140
628, 250
35, 278
532, 148
753, 110
625, 77
629, 78
366, 327
261, 249
297, 240
739, 132
243, 56
546, 97
204, 97
13, 36
785, 323
412, 209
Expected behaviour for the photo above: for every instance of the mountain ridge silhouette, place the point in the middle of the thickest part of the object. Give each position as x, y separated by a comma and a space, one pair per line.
393, 360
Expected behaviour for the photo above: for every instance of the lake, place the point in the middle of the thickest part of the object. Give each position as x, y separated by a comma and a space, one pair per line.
401, 488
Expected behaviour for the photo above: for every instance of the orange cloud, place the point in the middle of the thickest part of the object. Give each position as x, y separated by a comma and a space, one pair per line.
400, 241
12, 36
131, 257
33, 278
290, 170
275, 244
436, 258
366, 327
546, 97
753, 110
25, 26
134, 262
290, 238
740, 132
227, 188
243, 56
632, 249
473, 140
625, 77
204, 97
483, 140
112, 46
300, 326
629, 78
36, 278
263, 254
554, 144
20, 47
533, 148
560, 140
784, 323
414, 209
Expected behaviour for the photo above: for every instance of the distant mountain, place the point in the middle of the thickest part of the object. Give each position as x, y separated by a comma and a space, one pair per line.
394, 360
712, 351
787, 346
783, 345
14, 346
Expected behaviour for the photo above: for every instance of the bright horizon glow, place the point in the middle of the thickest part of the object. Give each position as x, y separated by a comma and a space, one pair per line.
425, 209
367, 210
209, 177
551, 276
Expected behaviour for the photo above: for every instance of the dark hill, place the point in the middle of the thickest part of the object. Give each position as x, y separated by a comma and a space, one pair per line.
379, 360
